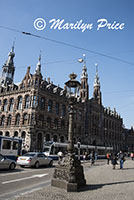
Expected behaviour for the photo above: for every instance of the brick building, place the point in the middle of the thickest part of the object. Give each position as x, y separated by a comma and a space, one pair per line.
37, 111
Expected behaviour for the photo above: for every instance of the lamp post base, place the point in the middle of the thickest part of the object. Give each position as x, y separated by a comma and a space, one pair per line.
69, 174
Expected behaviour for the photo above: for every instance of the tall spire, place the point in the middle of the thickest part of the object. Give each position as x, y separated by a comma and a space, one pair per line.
84, 70
96, 80
97, 92
8, 69
38, 66
84, 93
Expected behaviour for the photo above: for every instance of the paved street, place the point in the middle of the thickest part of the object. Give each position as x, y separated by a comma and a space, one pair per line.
103, 183
22, 180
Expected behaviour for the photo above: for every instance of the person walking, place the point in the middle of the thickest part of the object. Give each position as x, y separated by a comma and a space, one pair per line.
108, 158
132, 155
122, 159
92, 157
114, 160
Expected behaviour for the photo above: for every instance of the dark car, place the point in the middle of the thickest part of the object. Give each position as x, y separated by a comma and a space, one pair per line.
6, 163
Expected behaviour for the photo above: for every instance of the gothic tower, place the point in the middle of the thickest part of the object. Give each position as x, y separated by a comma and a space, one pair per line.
84, 90
8, 69
37, 75
97, 92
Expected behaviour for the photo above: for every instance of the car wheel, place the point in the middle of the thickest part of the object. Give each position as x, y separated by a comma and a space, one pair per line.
12, 166
22, 166
36, 165
51, 163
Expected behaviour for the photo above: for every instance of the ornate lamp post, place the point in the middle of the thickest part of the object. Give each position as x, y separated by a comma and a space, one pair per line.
69, 173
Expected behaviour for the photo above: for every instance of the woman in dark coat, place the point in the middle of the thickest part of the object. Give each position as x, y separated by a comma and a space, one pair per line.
114, 160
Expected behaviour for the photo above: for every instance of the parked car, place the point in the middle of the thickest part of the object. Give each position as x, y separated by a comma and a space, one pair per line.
6, 163
34, 159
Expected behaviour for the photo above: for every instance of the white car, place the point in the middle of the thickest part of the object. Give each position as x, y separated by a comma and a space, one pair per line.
6, 163
34, 159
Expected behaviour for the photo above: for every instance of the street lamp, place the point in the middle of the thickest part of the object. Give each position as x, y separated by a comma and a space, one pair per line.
72, 93
69, 173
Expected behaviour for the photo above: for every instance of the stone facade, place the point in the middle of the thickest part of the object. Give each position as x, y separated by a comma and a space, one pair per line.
37, 110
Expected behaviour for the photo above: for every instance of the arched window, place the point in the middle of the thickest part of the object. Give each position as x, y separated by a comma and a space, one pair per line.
63, 110
5, 105
34, 101
50, 106
23, 134
17, 121
16, 134
1, 133
48, 122
55, 138
47, 137
62, 139
57, 108
11, 104
9, 120
36, 82
7, 134
2, 120
42, 103
27, 101
25, 119
56, 124
19, 107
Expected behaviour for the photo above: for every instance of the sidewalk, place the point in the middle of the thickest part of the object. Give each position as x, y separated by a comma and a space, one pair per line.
103, 183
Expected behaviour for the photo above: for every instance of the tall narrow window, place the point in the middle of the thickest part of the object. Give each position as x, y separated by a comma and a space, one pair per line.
5, 105
19, 107
56, 124
62, 125
27, 102
36, 82
9, 120
11, 104
63, 110
57, 108
25, 119
35, 101
48, 122
23, 134
49, 106
2, 120
42, 104
17, 121
16, 134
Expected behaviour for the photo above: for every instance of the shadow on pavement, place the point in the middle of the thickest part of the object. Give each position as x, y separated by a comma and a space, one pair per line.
5, 171
98, 186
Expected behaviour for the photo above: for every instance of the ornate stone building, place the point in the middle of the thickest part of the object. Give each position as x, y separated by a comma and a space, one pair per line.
37, 111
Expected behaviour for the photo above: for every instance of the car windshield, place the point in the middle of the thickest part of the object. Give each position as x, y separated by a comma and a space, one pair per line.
30, 154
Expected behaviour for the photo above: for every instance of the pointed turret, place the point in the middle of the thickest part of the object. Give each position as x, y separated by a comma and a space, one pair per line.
97, 92
84, 93
8, 69
38, 66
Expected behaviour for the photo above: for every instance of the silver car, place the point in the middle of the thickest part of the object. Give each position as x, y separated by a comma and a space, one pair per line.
34, 159
6, 163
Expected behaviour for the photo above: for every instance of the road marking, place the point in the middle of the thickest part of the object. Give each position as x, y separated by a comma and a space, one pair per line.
25, 171
21, 179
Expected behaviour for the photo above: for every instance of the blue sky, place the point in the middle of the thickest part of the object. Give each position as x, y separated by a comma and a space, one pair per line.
117, 78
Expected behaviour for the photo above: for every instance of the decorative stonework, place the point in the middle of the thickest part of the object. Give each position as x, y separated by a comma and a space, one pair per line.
69, 174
